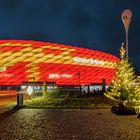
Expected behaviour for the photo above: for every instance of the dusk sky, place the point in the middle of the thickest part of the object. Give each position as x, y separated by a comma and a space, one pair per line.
94, 24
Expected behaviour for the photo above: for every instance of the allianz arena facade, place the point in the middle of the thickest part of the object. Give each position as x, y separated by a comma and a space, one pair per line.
33, 61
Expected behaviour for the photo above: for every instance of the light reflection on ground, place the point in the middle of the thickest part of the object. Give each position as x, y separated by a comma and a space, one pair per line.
68, 124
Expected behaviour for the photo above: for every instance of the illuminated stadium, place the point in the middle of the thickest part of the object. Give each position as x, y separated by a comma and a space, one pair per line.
25, 61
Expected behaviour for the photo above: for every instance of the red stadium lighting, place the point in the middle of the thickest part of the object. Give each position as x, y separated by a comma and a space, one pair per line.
24, 61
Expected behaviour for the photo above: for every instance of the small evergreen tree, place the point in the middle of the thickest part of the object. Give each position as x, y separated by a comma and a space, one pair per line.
123, 86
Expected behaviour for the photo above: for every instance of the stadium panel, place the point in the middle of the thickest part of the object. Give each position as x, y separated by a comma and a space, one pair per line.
35, 61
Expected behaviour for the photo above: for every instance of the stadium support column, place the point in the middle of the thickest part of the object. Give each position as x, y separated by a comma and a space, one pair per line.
88, 88
44, 88
103, 85
79, 74
34, 86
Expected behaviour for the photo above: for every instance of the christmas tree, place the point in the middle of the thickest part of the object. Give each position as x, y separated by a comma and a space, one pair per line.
123, 87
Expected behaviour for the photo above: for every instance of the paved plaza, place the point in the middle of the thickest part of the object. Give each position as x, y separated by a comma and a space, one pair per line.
43, 124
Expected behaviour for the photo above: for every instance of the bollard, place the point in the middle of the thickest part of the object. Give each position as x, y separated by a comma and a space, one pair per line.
19, 100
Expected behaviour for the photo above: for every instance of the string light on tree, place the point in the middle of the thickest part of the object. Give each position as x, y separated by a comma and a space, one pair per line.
123, 86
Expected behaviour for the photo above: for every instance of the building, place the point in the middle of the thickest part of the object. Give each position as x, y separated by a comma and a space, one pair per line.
24, 61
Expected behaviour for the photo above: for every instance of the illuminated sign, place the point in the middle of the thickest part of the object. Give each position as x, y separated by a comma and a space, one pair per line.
29, 90
88, 61
57, 76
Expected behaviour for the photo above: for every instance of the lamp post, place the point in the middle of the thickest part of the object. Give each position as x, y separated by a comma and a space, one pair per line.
78, 74
126, 19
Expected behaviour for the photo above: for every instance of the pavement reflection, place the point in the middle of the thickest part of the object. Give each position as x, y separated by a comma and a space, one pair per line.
68, 124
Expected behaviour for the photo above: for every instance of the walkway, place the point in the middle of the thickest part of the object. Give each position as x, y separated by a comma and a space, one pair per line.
43, 124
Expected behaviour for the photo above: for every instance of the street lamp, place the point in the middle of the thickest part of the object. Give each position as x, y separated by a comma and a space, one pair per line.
126, 19
78, 74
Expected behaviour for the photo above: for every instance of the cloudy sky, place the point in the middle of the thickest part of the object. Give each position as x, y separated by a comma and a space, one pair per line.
94, 24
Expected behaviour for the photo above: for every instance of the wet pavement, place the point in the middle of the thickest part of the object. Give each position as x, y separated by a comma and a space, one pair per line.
7, 103
91, 124
6, 100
